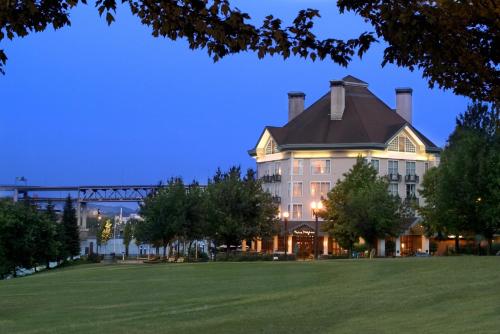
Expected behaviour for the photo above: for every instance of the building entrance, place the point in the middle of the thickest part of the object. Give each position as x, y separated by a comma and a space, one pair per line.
303, 242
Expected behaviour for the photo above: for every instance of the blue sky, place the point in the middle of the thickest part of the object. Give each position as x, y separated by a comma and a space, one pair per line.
96, 104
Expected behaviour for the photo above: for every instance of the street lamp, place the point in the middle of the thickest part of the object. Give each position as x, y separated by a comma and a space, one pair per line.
316, 208
285, 220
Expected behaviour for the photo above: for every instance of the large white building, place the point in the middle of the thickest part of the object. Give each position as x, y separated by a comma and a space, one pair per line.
302, 160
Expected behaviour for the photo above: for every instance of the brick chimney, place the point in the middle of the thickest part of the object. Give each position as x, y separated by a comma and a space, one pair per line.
295, 104
337, 97
404, 103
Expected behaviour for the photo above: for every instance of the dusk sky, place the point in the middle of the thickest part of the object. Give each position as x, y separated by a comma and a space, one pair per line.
92, 104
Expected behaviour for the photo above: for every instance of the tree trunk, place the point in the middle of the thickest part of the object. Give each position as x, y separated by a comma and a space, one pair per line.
490, 246
126, 250
457, 244
189, 250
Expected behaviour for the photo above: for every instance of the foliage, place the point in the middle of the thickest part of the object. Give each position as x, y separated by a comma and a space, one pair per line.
453, 43
71, 235
360, 206
164, 214
463, 193
106, 231
27, 236
128, 234
238, 208
390, 247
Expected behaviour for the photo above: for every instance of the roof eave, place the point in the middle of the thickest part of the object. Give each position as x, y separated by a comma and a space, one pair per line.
316, 146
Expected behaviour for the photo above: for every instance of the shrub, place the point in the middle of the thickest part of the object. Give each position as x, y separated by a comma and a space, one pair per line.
94, 258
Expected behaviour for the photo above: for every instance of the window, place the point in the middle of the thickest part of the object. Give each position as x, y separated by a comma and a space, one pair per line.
271, 147
277, 190
320, 189
410, 190
277, 169
375, 164
320, 167
297, 189
298, 167
296, 211
393, 167
401, 143
410, 168
393, 189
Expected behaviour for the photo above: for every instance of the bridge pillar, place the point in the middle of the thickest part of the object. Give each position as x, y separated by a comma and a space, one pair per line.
15, 197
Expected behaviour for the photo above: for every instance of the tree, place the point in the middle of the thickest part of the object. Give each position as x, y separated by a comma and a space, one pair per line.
453, 42
71, 235
128, 234
105, 232
195, 222
238, 208
462, 194
45, 241
360, 206
164, 214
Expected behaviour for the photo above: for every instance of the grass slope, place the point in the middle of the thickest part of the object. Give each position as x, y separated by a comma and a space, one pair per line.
412, 295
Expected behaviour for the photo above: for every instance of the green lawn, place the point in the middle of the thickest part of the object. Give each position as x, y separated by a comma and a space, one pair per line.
412, 295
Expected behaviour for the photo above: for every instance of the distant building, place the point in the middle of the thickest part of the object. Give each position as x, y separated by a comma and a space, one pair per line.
302, 160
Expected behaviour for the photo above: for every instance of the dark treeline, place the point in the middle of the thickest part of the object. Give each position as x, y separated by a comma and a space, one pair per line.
463, 193
30, 238
232, 207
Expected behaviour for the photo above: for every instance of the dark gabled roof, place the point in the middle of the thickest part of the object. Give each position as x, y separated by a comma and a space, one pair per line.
367, 122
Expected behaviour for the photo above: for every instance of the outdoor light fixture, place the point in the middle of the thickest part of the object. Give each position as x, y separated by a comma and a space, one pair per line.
316, 207
285, 235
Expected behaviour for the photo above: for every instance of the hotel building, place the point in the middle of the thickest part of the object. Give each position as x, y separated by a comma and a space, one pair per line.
302, 160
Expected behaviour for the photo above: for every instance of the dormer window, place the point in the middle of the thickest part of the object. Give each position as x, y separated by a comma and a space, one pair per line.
271, 147
401, 143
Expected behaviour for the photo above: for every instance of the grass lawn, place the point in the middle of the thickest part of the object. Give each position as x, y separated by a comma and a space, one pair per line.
411, 295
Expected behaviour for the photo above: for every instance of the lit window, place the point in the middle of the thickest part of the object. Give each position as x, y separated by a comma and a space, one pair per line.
320, 189
320, 167
296, 210
277, 169
298, 167
297, 189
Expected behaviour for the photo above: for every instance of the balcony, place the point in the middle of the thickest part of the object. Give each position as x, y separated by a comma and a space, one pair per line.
276, 199
411, 178
271, 178
394, 177
411, 200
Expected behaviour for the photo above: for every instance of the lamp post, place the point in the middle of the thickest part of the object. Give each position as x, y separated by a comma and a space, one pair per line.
285, 220
316, 208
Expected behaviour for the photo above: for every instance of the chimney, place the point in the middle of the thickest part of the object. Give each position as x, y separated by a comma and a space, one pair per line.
404, 103
295, 104
337, 97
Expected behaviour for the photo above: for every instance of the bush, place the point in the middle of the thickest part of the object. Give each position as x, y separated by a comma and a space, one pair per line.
251, 256
495, 248
94, 258
390, 247
333, 257
360, 248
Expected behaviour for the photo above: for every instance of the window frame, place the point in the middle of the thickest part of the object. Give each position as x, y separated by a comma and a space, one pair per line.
327, 162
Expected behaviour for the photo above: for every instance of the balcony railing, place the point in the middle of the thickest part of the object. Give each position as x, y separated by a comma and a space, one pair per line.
394, 177
411, 178
412, 200
271, 178
277, 199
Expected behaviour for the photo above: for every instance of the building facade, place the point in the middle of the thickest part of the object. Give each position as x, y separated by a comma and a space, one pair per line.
301, 161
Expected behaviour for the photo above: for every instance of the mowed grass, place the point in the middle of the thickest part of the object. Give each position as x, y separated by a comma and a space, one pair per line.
411, 295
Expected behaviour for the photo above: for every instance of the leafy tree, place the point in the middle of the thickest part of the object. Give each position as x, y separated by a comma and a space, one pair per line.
70, 229
128, 234
462, 194
15, 237
164, 214
105, 232
45, 241
238, 208
360, 206
195, 223
453, 42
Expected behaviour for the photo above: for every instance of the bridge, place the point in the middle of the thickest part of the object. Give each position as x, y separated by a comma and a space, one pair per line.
81, 195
